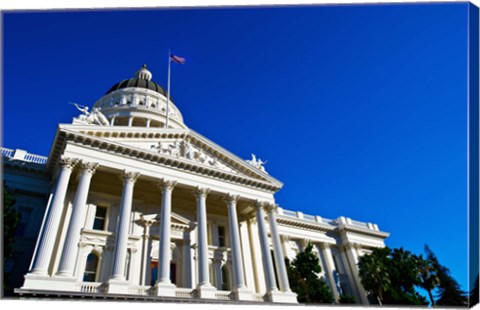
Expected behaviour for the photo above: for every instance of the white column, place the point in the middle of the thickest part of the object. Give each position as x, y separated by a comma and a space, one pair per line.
130, 121
70, 249
267, 259
238, 279
112, 121
239, 288
50, 230
330, 268
247, 257
120, 254
148, 122
256, 256
164, 285
187, 263
204, 288
145, 266
351, 252
277, 250
285, 245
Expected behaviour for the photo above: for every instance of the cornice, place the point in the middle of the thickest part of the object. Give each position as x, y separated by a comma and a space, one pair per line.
303, 224
23, 165
362, 231
315, 226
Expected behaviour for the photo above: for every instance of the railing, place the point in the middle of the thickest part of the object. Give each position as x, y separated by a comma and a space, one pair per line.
309, 217
23, 155
318, 219
223, 295
6, 152
139, 290
93, 287
184, 293
359, 224
36, 158
290, 213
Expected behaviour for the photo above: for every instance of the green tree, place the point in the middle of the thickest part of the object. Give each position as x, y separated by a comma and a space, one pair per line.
10, 222
303, 278
449, 292
391, 276
428, 278
374, 273
404, 269
346, 299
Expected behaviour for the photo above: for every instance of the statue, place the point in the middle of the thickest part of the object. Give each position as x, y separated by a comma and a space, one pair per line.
94, 117
99, 118
257, 163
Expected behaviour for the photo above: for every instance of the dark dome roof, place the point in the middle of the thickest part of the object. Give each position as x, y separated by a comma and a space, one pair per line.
137, 82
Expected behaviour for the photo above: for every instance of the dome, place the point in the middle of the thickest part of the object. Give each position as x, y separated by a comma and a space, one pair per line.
139, 102
142, 80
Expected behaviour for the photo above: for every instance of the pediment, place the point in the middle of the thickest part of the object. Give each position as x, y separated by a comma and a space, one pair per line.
176, 219
182, 148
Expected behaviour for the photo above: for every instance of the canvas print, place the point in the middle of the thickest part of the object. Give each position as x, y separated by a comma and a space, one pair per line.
260, 155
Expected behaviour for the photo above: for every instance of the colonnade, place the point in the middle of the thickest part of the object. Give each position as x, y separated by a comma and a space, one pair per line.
117, 283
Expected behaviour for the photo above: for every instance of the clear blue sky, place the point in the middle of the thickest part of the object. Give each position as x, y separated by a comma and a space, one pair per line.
359, 110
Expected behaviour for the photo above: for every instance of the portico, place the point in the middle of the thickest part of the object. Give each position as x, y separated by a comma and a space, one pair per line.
144, 206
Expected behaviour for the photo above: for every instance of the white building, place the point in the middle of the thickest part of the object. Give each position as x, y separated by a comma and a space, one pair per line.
138, 210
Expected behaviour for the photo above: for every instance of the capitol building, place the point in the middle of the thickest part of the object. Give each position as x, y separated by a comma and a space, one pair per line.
132, 204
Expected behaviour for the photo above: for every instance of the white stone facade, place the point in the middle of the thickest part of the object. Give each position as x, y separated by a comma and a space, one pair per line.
137, 209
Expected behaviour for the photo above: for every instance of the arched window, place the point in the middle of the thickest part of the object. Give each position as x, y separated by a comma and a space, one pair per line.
90, 274
225, 279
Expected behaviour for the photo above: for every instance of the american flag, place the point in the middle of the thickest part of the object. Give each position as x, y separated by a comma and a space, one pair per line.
177, 59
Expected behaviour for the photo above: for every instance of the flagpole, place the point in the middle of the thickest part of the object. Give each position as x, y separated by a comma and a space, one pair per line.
168, 88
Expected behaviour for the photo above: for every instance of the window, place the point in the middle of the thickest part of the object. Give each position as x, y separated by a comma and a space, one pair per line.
127, 265
173, 273
23, 221
100, 218
221, 236
90, 274
225, 279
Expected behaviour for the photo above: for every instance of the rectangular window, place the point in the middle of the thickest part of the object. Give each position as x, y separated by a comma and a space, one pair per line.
100, 218
221, 236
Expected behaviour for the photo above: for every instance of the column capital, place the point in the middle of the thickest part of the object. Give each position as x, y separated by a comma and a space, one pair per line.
285, 238
306, 241
230, 198
201, 192
129, 176
350, 246
67, 163
88, 167
259, 204
165, 184
324, 246
270, 207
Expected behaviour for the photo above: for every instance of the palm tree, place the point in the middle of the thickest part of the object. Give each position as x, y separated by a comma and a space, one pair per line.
428, 277
449, 291
374, 273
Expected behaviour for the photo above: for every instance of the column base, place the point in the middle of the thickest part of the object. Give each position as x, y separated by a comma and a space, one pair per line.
282, 297
165, 289
117, 286
45, 282
205, 292
243, 294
